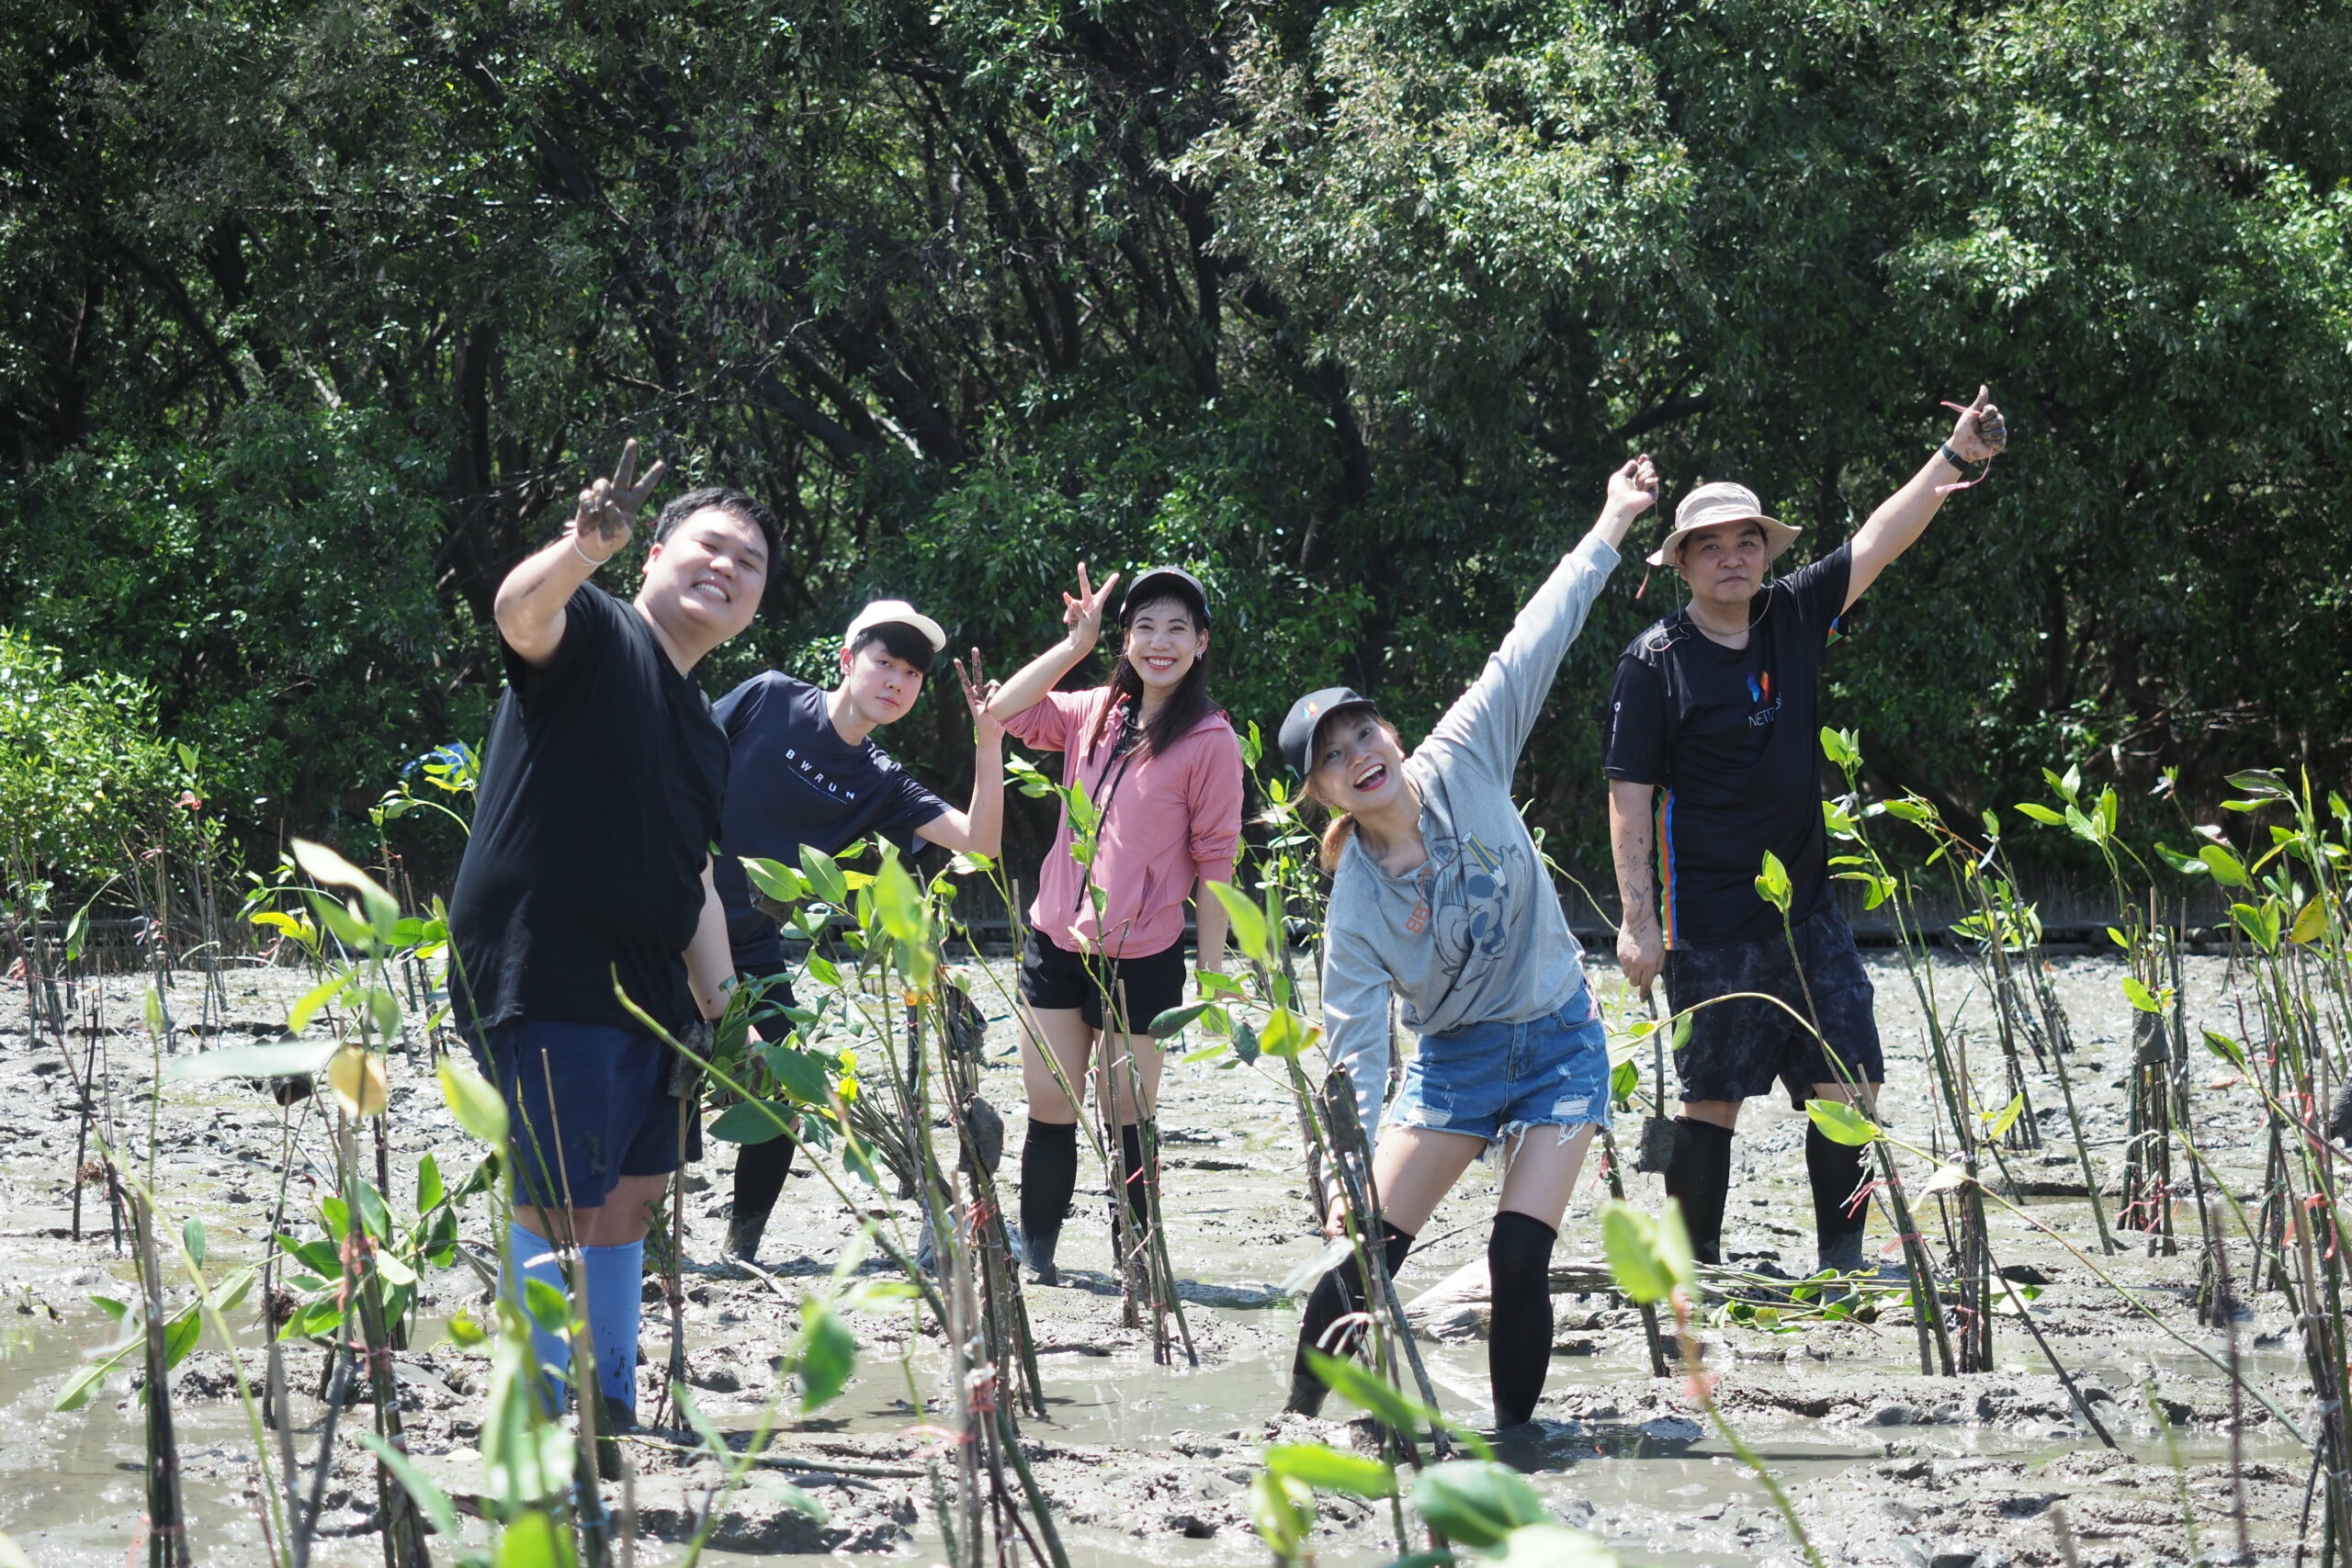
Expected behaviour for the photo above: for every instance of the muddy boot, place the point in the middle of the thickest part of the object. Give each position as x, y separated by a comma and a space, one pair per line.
1035, 1246
1841, 1203
1700, 1180
613, 1419
1841, 1253
743, 1232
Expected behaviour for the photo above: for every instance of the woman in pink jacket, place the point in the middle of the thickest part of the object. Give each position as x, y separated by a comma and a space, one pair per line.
1162, 767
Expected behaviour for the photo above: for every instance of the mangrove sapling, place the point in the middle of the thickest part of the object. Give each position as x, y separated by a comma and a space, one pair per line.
167, 1544
1650, 1332
1330, 1115
1842, 1121
1650, 1258
1998, 921
1773, 887
899, 947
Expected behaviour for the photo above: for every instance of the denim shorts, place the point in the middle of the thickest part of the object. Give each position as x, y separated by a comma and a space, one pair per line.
1495, 1081
1742, 1046
588, 1104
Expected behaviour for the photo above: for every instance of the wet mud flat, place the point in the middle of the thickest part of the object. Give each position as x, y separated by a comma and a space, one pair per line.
1146, 1462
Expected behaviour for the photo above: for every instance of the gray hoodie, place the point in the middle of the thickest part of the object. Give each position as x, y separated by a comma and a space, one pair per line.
1476, 934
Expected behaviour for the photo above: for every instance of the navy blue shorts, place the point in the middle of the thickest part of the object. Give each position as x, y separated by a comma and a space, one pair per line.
1740, 1047
612, 1115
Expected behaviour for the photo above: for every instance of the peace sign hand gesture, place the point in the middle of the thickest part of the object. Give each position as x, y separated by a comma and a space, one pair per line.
607, 512
977, 691
1083, 614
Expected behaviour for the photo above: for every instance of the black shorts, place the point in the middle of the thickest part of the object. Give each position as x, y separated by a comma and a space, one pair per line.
1738, 1048
1053, 978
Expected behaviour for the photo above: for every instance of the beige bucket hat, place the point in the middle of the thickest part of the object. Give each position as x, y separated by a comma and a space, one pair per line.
1721, 502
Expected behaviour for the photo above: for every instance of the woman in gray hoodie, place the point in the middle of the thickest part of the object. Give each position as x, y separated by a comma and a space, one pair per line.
1440, 899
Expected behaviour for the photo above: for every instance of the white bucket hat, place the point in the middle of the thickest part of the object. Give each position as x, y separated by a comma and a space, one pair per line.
895, 612
1722, 501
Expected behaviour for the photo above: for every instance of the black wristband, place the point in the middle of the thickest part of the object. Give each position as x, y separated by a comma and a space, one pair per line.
1960, 464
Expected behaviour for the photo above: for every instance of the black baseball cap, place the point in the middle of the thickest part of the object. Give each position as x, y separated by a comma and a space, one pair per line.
1162, 583
1307, 716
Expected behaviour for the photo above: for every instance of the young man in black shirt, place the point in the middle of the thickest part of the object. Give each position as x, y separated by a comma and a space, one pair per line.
1714, 757
807, 771
589, 868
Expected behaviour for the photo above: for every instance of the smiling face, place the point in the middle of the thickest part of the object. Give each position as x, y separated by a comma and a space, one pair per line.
878, 685
1725, 565
1164, 640
702, 582
1359, 765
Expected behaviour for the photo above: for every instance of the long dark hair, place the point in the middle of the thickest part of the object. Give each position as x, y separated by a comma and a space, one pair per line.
1186, 705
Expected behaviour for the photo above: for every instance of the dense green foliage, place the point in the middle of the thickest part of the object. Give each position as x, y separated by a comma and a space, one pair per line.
85, 788
318, 313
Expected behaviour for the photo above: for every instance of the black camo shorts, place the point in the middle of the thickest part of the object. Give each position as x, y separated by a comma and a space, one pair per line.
1740, 1048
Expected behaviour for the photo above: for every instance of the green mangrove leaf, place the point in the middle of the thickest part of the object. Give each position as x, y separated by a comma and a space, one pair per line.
791, 1496
1476, 1502
1841, 1122
1368, 1391
251, 1062
1283, 1512
433, 1502
473, 1100
1175, 1021
828, 1354
1331, 1470
753, 1121
1249, 922
1648, 1254
2008, 1118
775, 880
824, 875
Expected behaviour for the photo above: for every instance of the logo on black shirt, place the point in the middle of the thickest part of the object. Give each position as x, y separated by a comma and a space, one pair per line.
801, 766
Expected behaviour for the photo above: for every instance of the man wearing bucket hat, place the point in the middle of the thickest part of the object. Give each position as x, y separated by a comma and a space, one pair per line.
1714, 757
806, 771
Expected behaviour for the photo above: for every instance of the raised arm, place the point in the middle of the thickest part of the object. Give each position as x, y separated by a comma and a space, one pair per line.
529, 607
1977, 437
977, 830
1641, 950
1083, 616
1493, 719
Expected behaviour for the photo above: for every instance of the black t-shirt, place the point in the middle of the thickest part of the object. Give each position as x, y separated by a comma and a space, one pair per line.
601, 790
795, 782
1732, 738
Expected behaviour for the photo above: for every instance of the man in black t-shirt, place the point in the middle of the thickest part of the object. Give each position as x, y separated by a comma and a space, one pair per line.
1713, 759
589, 867
807, 771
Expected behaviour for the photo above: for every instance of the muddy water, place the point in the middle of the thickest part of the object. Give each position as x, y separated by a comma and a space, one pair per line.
1148, 1463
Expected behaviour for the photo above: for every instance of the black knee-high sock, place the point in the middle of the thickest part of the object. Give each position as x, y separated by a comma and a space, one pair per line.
1132, 1169
1836, 1170
1048, 1176
1519, 1347
1700, 1180
759, 1170
1337, 1294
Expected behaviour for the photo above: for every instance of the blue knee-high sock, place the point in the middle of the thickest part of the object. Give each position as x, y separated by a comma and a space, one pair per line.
616, 1294
532, 1256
